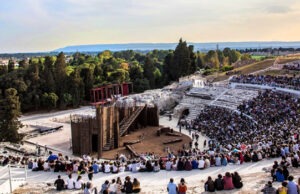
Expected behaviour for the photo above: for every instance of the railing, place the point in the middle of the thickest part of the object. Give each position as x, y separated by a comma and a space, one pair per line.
11, 177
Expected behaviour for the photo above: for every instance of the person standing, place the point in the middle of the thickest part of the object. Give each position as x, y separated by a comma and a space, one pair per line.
197, 136
39, 150
172, 188
46, 149
90, 172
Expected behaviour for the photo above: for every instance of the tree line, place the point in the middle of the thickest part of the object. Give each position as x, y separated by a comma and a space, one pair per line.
61, 81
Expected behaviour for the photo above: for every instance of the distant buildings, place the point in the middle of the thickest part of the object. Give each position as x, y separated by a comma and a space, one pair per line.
4, 61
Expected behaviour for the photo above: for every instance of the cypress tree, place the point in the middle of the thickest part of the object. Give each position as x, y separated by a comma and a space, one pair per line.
9, 114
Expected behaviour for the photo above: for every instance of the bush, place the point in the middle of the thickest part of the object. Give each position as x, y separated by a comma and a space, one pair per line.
226, 68
209, 71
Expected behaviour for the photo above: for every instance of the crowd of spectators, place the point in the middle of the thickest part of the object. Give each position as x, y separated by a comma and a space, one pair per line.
294, 66
264, 127
280, 173
227, 182
115, 186
267, 126
269, 80
6, 159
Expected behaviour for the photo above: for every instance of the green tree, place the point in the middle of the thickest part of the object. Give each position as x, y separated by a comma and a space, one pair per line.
11, 65
76, 88
67, 98
245, 57
211, 58
135, 71
9, 114
141, 85
60, 77
87, 75
98, 72
167, 68
105, 55
181, 60
193, 57
149, 69
48, 77
158, 78
3, 69
220, 56
232, 55
119, 76
200, 62
49, 100
23, 63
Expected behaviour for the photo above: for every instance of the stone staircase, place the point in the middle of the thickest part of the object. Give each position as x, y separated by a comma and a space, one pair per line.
194, 112
128, 122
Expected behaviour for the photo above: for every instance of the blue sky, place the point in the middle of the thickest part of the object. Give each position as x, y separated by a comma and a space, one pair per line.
45, 25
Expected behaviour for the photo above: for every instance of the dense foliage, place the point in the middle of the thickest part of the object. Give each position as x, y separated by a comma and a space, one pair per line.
59, 81
49, 82
9, 114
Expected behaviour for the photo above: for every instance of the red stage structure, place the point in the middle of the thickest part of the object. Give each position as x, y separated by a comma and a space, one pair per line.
106, 94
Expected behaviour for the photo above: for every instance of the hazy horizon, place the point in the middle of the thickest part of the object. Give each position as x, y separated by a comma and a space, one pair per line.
46, 25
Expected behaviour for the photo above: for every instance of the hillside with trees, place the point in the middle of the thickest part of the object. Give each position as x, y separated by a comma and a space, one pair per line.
61, 81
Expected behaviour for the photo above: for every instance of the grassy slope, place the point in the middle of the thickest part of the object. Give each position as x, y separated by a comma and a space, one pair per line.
258, 57
244, 70
281, 72
288, 60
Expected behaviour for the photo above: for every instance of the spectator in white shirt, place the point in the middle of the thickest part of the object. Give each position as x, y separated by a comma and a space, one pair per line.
34, 165
106, 167
201, 163
112, 189
70, 182
78, 183
121, 168
46, 166
169, 165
